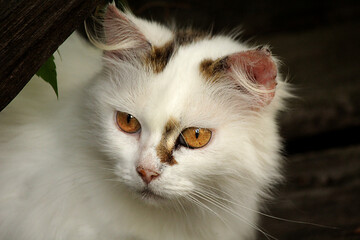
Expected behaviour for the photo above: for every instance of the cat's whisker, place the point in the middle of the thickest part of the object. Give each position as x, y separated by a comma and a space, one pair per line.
262, 213
221, 205
183, 208
176, 206
228, 210
180, 208
205, 207
219, 192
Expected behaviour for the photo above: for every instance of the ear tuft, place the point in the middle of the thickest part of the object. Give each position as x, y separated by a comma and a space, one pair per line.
121, 32
119, 36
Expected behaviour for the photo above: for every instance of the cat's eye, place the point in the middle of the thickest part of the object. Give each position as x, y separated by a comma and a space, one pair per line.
127, 122
195, 137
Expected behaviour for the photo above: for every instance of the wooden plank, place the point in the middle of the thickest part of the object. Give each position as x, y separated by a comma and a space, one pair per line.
323, 66
257, 18
323, 188
30, 31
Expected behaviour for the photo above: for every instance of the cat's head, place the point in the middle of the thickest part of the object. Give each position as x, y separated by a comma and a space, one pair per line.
180, 112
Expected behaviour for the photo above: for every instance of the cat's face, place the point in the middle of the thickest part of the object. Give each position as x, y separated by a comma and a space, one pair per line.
174, 120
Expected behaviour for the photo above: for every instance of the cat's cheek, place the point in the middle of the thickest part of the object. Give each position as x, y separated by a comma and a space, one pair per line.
127, 175
173, 184
199, 166
122, 149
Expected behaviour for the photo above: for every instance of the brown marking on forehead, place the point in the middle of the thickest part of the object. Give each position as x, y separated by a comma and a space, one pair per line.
167, 143
159, 57
212, 70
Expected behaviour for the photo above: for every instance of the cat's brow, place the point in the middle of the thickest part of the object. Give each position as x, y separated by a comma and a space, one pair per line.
212, 70
159, 57
167, 143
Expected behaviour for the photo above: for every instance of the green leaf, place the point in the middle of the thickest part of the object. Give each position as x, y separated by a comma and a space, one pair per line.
48, 73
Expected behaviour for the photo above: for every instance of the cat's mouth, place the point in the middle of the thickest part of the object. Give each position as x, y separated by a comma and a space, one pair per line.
148, 194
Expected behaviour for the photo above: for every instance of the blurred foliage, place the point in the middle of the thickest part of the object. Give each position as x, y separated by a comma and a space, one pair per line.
48, 73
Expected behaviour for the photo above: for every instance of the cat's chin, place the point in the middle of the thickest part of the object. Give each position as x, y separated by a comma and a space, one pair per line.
150, 197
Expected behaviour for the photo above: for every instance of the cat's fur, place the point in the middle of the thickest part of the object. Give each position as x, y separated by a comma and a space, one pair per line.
68, 172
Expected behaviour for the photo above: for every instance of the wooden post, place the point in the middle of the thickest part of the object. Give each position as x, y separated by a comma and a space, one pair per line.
30, 32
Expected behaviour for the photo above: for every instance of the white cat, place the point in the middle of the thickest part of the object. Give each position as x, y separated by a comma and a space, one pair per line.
174, 138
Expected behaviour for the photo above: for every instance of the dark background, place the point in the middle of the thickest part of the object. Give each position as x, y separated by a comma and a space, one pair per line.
319, 44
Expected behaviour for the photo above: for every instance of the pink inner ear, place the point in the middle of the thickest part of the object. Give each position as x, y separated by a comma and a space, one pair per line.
121, 30
112, 20
258, 65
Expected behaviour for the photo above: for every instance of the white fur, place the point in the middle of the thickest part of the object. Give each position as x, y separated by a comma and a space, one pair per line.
67, 171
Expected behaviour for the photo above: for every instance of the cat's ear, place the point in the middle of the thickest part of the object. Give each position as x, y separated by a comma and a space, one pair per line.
122, 36
254, 71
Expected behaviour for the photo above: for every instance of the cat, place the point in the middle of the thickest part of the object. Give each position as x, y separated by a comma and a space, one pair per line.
162, 134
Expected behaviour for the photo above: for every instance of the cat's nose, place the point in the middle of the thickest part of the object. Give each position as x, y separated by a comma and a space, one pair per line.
146, 174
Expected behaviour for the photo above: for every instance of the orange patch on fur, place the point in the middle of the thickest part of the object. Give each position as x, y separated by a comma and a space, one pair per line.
167, 143
212, 70
159, 57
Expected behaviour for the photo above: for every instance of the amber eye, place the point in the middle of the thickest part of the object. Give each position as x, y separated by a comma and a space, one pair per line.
195, 137
127, 122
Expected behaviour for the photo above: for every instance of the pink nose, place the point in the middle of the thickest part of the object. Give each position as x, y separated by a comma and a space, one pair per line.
147, 175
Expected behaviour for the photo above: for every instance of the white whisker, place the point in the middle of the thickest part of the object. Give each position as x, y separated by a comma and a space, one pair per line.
258, 212
228, 210
202, 205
